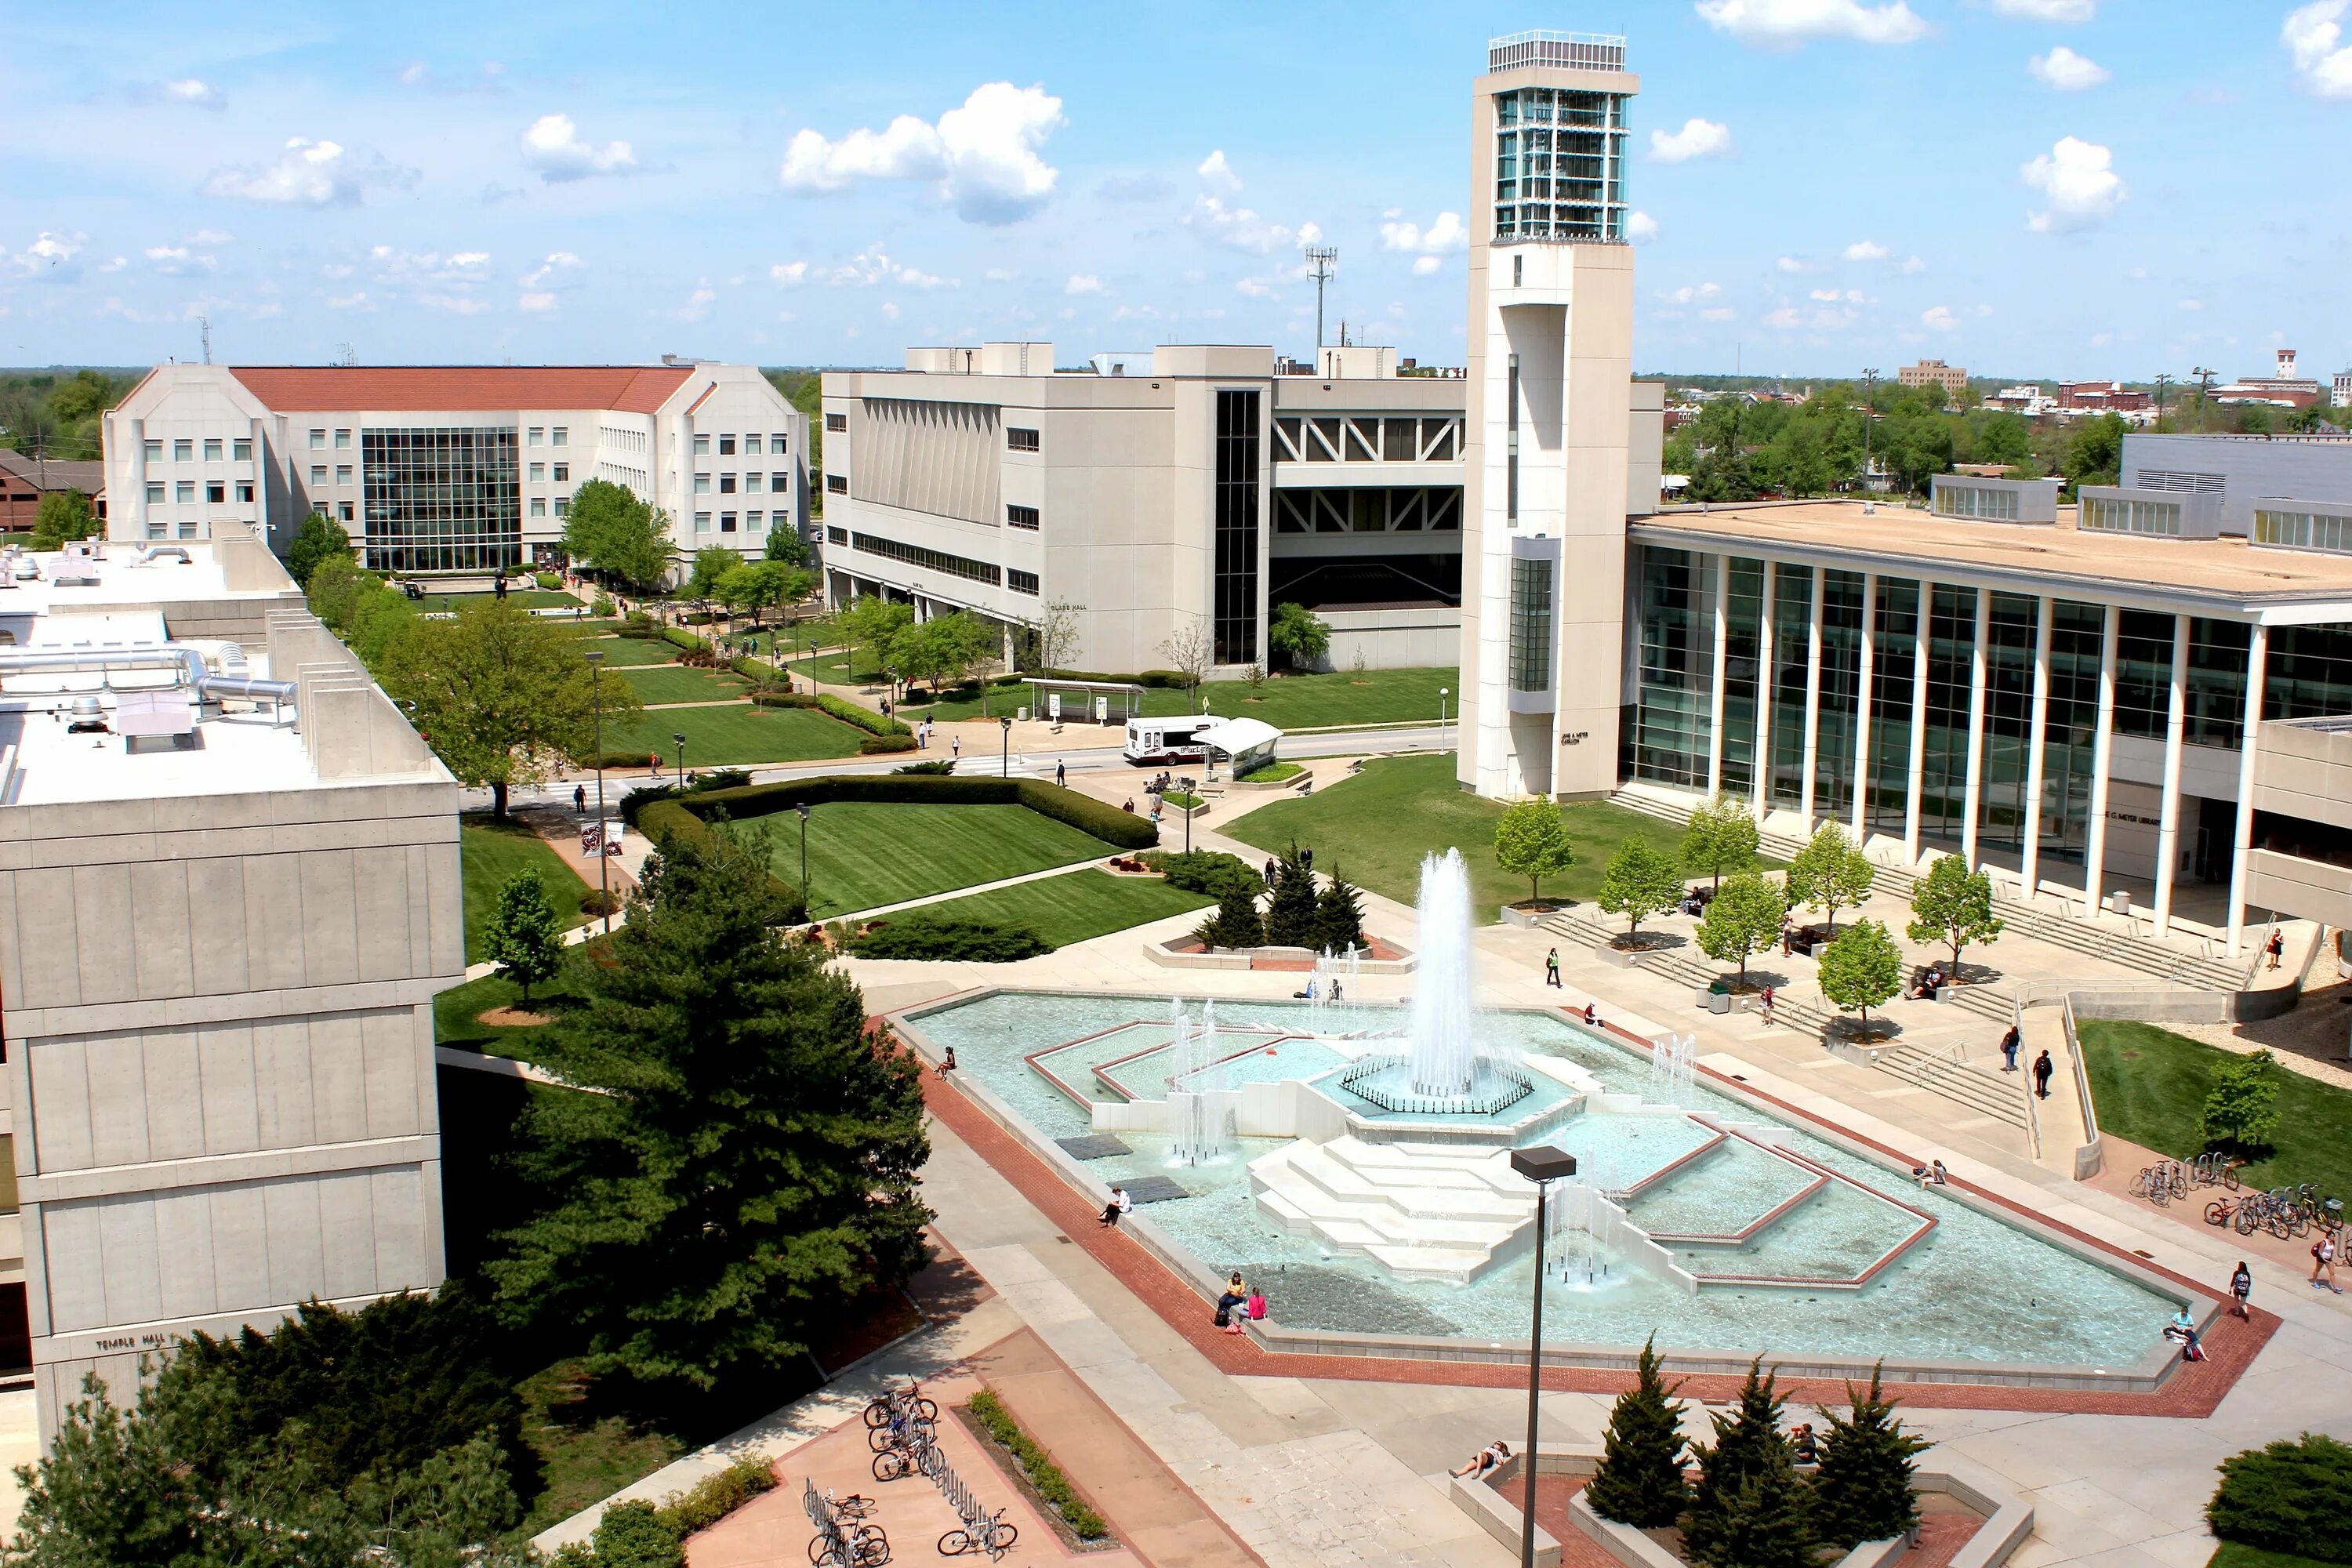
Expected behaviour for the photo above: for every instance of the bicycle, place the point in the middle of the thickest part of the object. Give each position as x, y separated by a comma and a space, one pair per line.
906, 1430
991, 1535
856, 1506
847, 1551
892, 1463
2221, 1211
880, 1411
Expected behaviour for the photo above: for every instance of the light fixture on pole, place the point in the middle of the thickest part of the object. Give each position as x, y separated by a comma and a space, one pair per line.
1321, 260
1186, 786
1006, 767
1543, 1165
1869, 405
803, 807
1442, 692
680, 738
595, 658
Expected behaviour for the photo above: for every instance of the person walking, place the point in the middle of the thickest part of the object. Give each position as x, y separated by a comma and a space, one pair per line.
1270, 869
955, 746
580, 798
2275, 947
2323, 1264
2241, 1285
1551, 969
1769, 995
2043, 1068
1062, 773
2009, 1045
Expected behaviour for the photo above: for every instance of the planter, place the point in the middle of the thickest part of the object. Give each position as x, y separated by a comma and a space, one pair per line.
1718, 1002
1618, 957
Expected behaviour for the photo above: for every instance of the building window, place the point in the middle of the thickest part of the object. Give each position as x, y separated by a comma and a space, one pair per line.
755, 522
727, 445
215, 492
776, 447
779, 484
1021, 517
1973, 501
241, 450
343, 440
751, 483
564, 506
317, 440
185, 492
837, 536
2304, 530
1233, 609
539, 506
1020, 439
538, 434
560, 436
342, 473
158, 529
702, 484
930, 560
727, 484
344, 508
1531, 625
836, 422
183, 450
702, 446
726, 522
188, 528
1559, 157
318, 475
537, 473
212, 450
244, 489
702, 522
1021, 581
152, 450
441, 497
836, 485
156, 492
751, 445
562, 473
2115, 514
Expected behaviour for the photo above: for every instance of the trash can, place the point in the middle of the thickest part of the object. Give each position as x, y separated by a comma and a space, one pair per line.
1024, 715
2119, 901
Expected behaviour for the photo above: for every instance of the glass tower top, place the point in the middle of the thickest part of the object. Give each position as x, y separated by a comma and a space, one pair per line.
1560, 165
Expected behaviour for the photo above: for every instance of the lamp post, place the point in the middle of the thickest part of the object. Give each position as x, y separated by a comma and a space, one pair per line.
1869, 412
803, 807
680, 738
595, 658
1442, 692
1543, 1165
1186, 785
1005, 766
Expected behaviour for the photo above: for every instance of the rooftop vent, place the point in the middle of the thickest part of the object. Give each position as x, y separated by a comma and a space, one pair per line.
1574, 51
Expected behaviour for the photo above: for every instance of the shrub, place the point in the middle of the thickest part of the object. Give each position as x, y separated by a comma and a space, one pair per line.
1123, 828
1210, 871
784, 700
1863, 1489
603, 606
723, 778
1039, 1467
683, 638
864, 718
2287, 1497
2242, 1111
1290, 913
634, 803
634, 1535
949, 937
596, 903
1339, 916
926, 770
1639, 1481
548, 579
715, 1497
874, 746
1236, 922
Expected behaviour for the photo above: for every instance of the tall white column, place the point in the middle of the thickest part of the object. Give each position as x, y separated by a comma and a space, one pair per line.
1767, 670
1862, 705
2039, 728
1972, 790
1715, 677
2176, 723
1812, 699
2095, 842
1918, 724
2257, 661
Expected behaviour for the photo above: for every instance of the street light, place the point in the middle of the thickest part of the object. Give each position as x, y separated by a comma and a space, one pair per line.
1005, 768
595, 658
1442, 692
680, 739
803, 807
1186, 786
1543, 1165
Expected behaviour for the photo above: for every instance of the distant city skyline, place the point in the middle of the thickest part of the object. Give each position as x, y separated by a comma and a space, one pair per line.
2051, 188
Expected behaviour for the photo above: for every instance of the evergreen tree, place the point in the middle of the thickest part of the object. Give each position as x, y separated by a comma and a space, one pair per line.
1236, 923
1749, 1508
1863, 1489
525, 936
746, 1168
1640, 1478
1290, 913
1339, 916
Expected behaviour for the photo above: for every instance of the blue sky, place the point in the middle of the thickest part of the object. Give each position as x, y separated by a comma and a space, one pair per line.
2046, 187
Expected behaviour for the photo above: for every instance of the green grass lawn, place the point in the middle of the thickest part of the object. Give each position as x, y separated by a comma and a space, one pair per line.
1377, 825
623, 653
1287, 701
2149, 1084
1064, 910
520, 598
865, 853
494, 851
725, 737
2233, 1555
675, 683
456, 1016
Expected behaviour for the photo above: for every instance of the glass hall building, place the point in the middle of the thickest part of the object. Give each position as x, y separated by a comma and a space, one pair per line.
2068, 701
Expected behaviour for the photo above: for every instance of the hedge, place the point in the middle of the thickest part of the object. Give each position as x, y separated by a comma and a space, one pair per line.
864, 718
2287, 1497
1038, 1465
1163, 680
784, 700
1124, 828
1210, 871
684, 639
874, 746
713, 1498
946, 938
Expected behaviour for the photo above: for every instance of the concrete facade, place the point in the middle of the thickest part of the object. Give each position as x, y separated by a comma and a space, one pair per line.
217, 961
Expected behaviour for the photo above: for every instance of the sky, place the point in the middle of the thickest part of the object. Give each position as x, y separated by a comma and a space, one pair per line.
2052, 188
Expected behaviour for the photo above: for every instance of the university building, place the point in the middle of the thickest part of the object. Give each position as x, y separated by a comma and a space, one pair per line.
453, 467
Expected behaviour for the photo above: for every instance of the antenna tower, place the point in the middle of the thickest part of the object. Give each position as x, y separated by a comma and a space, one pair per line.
1322, 261
204, 325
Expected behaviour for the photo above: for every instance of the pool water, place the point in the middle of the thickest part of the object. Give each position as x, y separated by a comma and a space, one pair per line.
1974, 1289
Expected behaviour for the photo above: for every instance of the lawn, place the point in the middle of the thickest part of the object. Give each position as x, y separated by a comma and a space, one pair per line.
520, 598
494, 851
675, 683
2149, 1084
622, 653
865, 853
1287, 701
456, 1016
725, 737
1377, 825
2233, 1555
1064, 910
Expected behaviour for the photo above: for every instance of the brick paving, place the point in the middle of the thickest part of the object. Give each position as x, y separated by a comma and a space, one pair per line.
2193, 1392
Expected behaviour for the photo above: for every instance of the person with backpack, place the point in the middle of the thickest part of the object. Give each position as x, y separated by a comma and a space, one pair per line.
2241, 1285
2323, 1264
2043, 1068
2011, 1043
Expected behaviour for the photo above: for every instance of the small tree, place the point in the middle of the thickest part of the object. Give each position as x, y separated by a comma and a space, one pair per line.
524, 936
786, 545
2241, 1111
1298, 634
1863, 1489
1187, 650
1531, 841
2287, 1497
62, 516
1055, 635
1639, 1481
1339, 916
1749, 1508
1830, 873
1743, 918
1236, 923
1721, 838
1290, 914
318, 539
1862, 968
1641, 881
712, 562
1953, 906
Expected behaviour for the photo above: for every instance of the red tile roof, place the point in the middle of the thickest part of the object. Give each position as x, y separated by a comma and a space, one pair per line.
627, 389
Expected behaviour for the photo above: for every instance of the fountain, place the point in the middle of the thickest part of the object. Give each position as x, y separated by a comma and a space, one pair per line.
1671, 1070
1198, 1108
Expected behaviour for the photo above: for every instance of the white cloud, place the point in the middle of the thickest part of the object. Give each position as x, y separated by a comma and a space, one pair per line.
1256, 289
2314, 35
1838, 295
1641, 228
1794, 264
1717, 313
536, 303
790, 274
1215, 170
307, 175
2063, 11
873, 266
1698, 139
539, 277
1693, 294
177, 258
1083, 283
1240, 228
52, 255
1785, 319
201, 94
1444, 234
2067, 71
698, 304
890, 310
1913, 266
1423, 266
552, 145
1866, 250
1786, 24
211, 237
2078, 179
1000, 274
983, 155
1938, 318
455, 304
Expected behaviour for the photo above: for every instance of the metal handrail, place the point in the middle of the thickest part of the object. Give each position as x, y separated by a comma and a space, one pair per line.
1948, 1056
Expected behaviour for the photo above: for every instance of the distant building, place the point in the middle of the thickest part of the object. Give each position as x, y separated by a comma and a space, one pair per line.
2341, 396
25, 480
2030, 401
2102, 397
1952, 378
2283, 390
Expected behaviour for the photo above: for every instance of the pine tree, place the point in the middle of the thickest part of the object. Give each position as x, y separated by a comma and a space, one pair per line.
1290, 913
1236, 923
1339, 916
524, 935
745, 1170
1863, 1489
1640, 1478
1749, 1508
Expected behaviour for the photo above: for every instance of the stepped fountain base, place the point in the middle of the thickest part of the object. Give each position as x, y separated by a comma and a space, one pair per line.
1387, 1081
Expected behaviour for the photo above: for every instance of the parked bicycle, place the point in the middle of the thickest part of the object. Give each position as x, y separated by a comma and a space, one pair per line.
906, 1428
900, 1400
991, 1535
2162, 1183
841, 1541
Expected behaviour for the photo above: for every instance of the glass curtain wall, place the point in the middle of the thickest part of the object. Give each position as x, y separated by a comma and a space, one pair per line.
2070, 728
2010, 628
440, 499
1943, 773
1742, 669
1234, 611
2143, 673
2216, 682
1841, 693
1890, 705
1792, 609
1670, 735
2307, 672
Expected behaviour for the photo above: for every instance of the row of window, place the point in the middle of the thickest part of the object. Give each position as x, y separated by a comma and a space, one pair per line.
779, 483
1019, 438
2304, 530
2114, 514
185, 491
752, 522
184, 449
1969, 500
1021, 517
1366, 438
931, 560
751, 445
563, 506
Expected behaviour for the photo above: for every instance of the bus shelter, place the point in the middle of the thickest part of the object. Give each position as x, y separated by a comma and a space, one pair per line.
1085, 701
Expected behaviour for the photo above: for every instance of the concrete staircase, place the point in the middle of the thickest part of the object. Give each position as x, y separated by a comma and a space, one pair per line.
1684, 967
1423, 1211
1991, 1094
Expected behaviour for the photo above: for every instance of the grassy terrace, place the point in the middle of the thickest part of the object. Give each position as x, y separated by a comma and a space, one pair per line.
1377, 825
658, 684
1073, 908
494, 851
520, 598
622, 652
2149, 1083
720, 737
1289, 702
862, 854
